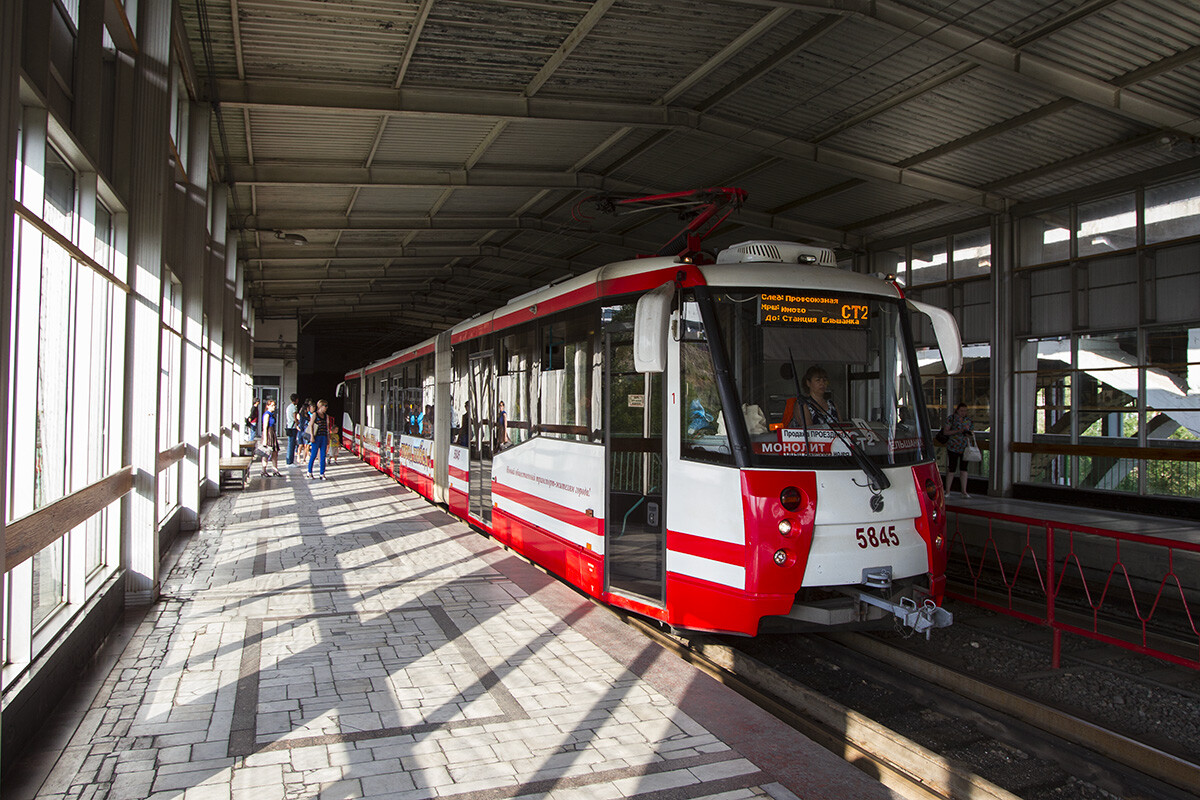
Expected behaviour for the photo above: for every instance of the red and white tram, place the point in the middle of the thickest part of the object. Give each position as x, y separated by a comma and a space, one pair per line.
626, 430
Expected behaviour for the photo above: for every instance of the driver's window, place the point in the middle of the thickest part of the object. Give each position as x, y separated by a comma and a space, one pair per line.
702, 423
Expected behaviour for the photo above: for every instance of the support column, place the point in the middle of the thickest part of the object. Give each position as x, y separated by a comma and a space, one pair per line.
214, 305
1003, 362
88, 93
192, 267
235, 405
10, 118
149, 186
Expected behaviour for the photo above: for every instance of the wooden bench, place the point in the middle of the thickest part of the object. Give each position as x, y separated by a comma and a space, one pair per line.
235, 472
247, 448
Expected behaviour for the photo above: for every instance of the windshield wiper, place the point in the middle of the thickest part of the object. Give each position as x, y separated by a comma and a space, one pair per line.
876, 479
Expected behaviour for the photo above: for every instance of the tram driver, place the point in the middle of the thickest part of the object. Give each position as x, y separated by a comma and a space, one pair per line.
815, 407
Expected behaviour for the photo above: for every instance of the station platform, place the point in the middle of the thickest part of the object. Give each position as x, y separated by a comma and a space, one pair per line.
1175, 529
1118, 558
346, 639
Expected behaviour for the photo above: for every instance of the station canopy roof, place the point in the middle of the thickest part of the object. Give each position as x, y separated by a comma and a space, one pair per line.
400, 165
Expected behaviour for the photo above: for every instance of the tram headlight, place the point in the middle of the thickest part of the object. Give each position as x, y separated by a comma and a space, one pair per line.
791, 498
931, 489
785, 527
782, 557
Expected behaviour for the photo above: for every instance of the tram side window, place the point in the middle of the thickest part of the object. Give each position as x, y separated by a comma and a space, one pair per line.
517, 355
426, 393
568, 355
458, 394
702, 421
413, 406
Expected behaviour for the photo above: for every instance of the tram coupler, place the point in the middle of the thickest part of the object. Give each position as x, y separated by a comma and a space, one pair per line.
921, 618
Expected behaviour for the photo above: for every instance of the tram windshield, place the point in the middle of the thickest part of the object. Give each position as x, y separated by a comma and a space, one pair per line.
819, 374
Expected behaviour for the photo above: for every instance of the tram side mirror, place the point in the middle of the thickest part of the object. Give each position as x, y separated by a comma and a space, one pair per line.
650, 320
945, 329
342, 390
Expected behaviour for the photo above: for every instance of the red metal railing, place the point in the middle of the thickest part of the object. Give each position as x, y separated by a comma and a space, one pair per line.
1025, 574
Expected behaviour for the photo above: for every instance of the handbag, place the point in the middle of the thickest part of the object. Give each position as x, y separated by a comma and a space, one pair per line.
971, 453
941, 437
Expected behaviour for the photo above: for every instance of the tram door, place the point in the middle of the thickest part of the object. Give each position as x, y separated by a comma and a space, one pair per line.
635, 530
385, 422
479, 420
396, 420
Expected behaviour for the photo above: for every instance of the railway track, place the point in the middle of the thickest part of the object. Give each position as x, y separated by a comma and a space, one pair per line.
930, 732
1171, 632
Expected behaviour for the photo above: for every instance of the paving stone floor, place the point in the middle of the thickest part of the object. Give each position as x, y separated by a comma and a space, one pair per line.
346, 639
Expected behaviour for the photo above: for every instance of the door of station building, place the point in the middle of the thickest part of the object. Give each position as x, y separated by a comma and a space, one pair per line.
635, 524
263, 393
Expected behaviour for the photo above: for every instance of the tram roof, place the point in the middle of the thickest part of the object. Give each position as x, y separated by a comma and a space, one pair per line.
764, 275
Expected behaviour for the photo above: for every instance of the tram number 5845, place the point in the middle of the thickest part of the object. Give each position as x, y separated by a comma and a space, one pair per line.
884, 535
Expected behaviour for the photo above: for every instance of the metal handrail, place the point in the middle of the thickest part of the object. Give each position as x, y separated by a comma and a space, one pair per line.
1050, 571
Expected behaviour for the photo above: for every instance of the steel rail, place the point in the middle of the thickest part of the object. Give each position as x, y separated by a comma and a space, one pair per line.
1131, 753
895, 760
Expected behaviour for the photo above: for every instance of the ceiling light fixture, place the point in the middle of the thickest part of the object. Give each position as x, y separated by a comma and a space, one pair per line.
294, 238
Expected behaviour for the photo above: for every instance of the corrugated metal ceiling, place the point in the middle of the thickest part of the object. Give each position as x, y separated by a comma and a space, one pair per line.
443, 148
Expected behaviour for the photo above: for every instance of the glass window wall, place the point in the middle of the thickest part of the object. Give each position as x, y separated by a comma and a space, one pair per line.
1045, 237
930, 262
1106, 225
1173, 211
170, 389
1172, 390
66, 351
972, 254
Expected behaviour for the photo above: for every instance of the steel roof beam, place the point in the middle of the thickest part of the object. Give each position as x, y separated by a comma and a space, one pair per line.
403, 301
797, 150
572, 40
287, 175
1028, 118
299, 174
384, 272
422, 102
414, 306
1009, 59
436, 222
410, 254
491, 106
1041, 71
399, 307
415, 279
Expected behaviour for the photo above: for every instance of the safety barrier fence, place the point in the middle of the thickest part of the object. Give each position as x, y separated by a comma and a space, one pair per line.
1124, 589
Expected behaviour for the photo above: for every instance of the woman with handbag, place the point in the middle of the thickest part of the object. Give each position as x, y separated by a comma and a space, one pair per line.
303, 415
959, 436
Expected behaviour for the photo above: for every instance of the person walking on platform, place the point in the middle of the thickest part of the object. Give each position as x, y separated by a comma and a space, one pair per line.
303, 415
291, 415
958, 429
318, 428
269, 446
252, 422
335, 440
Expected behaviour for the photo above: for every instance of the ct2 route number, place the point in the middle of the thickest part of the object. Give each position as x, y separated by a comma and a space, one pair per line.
884, 535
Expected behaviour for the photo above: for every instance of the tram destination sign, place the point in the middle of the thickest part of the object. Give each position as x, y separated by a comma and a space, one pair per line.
805, 309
